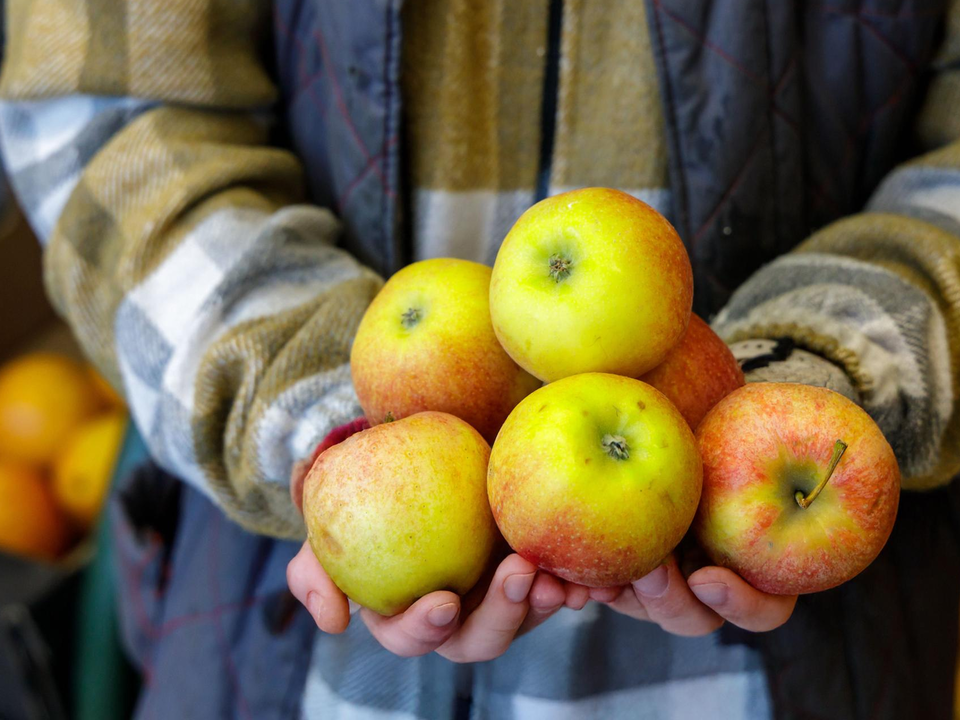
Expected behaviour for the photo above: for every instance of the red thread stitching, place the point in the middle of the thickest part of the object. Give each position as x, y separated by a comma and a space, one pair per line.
737, 65
366, 170
342, 106
731, 187
720, 52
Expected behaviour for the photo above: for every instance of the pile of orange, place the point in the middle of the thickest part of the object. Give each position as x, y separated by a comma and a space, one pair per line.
61, 428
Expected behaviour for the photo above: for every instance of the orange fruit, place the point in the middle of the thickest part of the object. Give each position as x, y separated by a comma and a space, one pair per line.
30, 522
81, 475
108, 397
43, 397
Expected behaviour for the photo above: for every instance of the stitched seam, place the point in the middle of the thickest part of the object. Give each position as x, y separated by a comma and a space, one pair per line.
734, 183
304, 84
365, 171
340, 103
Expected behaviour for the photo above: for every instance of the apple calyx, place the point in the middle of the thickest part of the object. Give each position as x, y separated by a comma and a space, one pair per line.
616, 446
560, 267
804, 500
411, 317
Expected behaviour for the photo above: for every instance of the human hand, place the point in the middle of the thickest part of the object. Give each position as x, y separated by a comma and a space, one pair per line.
698, 604
480, 626
512, 599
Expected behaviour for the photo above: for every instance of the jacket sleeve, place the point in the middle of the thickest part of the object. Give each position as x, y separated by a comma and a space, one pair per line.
177, 244
878, 293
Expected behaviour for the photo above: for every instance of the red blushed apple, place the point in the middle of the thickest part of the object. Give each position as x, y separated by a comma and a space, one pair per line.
400, 510
594, 478
698, 373
426, 343
800, 488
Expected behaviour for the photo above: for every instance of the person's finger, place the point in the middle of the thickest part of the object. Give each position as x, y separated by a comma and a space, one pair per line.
734, 599
627, 603
546, 598
605, 595
577, 595
488, 631
671, 604
311, 585
421, 628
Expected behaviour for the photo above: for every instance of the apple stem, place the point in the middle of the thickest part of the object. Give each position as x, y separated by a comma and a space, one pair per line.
616, 447
804, 500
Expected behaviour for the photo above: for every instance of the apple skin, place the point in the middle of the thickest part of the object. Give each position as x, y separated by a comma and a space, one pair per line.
448, 360
600, 243
565, 504
763, 443
697, 373
400, 510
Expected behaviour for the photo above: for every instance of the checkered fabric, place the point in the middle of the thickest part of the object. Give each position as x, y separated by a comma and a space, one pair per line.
183, 248
175, 244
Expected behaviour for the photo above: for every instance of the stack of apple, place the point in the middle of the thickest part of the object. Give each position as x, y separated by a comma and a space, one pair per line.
597, 475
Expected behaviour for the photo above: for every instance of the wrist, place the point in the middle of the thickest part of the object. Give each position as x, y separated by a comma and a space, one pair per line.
781, 360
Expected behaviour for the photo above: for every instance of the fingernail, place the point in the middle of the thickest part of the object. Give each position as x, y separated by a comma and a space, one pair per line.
315, 605
516, 587
442, 615
712, 594
653, 584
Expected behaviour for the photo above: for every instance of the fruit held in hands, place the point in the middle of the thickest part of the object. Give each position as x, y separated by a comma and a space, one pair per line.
800, 488
698, 373
426, 343
400, 510
591, 280
595, 478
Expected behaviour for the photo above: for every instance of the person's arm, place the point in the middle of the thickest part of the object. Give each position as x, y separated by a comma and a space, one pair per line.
878, 293
136, 137
869, 307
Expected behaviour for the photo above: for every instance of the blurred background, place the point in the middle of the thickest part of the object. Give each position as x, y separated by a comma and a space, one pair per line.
63, 439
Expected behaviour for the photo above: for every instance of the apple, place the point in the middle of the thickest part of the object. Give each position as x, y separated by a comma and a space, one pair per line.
590, 280
697, 373
800, 488
400, 510
594, 478
426, 343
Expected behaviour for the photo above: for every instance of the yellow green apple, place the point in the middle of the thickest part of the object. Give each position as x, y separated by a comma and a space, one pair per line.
426, 343
594, 478
400, 510
590, 280
800, 488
